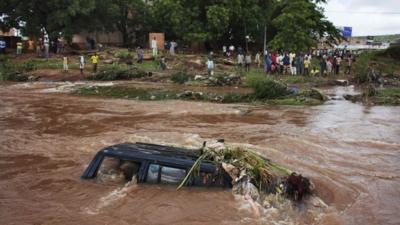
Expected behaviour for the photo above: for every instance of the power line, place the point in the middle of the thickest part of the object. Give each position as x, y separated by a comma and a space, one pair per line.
360, 12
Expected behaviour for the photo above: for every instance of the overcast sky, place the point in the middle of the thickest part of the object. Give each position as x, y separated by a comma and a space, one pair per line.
367, 17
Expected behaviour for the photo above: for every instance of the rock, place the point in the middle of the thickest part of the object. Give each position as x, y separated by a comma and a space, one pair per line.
342, 82
199, 77
33, 78
316, 94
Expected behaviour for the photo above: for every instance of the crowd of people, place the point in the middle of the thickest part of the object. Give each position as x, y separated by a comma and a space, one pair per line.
285, 62
317, 62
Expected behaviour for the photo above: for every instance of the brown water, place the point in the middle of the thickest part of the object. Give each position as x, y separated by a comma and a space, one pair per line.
351, 152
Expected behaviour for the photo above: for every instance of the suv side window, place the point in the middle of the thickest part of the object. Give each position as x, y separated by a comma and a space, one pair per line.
164, 174
171, 175
152, 173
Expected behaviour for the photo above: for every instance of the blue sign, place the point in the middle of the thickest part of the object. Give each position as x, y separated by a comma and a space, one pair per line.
347, 32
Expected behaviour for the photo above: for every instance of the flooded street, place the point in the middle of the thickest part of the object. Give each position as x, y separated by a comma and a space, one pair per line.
351, 152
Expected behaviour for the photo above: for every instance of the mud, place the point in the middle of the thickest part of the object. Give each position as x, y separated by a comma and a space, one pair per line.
351, 153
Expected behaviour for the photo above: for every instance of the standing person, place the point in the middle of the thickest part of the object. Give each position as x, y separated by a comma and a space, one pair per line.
329, 66
306, 66
280, 63
322, 66
286, 64
81, 63
224, 50
154, 47
338, 61
240, 59
273, 57
292, 57
139, 54
65, 64
293, 66
334, 64
95, 60
163, 63
19, 48
172, 47
231, 49
301, 64
267, 63
257, 59
2, 46
210, 66
349, 64
248, 61
46, 43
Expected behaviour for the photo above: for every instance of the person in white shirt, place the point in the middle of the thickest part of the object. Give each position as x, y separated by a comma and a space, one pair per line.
154, 47
279, 61
81, 63
210, 66
292, 56
240, 60
257, 59
172, 47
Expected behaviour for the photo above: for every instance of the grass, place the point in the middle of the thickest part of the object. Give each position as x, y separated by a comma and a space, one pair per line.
294, 80
264, 174
386, 96
148, 65
116, 72
159, 94
128, 92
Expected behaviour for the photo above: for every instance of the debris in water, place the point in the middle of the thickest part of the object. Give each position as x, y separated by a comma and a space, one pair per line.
253, 176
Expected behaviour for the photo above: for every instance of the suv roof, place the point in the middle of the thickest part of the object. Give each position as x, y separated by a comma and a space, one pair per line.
150, 153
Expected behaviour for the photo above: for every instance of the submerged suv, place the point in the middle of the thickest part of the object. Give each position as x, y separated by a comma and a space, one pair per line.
152, 163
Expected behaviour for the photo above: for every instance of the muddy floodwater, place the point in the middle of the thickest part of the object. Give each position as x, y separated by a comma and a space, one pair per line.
351, 152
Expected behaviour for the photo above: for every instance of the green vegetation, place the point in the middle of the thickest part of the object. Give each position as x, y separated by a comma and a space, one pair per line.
265, 88
387, 96
262, 173
180, 77
301, 98
212, 22
10, 72
370, 66
148, 65
117, 73
127, 92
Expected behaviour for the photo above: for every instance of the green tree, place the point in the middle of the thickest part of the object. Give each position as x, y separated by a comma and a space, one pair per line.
300, 29
56, 17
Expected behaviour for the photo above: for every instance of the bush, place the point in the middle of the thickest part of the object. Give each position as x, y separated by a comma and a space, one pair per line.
180, 77
29, 66
8, 71
266, 88
122, 54
392, 52
362, 68
116, 73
